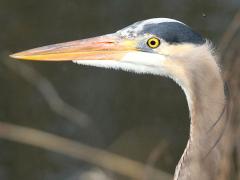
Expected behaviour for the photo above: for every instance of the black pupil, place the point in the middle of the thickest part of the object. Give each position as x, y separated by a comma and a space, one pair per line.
153, 42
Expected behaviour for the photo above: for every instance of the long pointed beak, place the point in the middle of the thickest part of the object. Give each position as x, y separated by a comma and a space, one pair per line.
107, 47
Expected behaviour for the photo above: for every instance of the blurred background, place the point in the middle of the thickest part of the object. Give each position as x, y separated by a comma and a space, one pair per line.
140, 117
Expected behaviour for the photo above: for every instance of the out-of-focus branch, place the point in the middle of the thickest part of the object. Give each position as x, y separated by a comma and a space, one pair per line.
153, 158
49, 93
229, 49
77, 150
229, 34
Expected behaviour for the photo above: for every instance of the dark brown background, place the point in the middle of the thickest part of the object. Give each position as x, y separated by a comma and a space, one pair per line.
133, 113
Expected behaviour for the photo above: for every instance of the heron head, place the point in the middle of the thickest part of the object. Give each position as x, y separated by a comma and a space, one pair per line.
150, 46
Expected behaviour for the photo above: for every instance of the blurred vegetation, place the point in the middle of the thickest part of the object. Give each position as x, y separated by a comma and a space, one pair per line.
132, 115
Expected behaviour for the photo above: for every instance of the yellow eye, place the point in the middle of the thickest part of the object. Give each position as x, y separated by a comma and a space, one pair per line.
153, 42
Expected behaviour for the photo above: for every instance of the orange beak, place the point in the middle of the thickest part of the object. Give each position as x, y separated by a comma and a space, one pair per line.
107, 47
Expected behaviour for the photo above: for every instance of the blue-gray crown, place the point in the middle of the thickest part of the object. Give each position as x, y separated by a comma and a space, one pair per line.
170, 30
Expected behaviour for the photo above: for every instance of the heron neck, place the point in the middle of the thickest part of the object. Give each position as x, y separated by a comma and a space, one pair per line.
207, 109
206, 101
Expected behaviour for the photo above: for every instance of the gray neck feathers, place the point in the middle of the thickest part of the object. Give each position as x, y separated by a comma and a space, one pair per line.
206, 102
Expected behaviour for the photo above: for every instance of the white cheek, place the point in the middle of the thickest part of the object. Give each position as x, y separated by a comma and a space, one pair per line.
144, 58
138, 62
146, 62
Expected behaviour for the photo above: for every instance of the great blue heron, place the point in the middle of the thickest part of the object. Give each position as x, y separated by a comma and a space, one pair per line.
170, 48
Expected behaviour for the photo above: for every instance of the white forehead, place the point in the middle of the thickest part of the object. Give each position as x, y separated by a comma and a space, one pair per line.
138, 26
157, 21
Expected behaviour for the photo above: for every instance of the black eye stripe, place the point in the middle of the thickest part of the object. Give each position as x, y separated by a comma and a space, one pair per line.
173, 32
